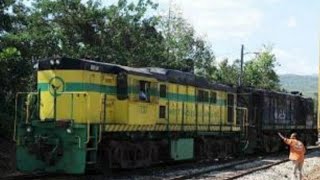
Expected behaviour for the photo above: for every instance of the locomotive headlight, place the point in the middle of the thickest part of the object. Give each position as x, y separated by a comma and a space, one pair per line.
29, 129
57, 62
69, 130
51, 62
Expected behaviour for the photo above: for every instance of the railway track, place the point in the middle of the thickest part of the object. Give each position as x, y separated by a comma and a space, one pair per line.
256, 169
239, 169
219, 170
174, 173
234, 173
158, 172
227, 171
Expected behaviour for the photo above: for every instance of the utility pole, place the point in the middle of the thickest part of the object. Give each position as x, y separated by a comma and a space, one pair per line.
318, 118
241, 65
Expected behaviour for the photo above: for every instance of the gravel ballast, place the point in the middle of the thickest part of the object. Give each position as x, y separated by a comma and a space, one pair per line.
284, 171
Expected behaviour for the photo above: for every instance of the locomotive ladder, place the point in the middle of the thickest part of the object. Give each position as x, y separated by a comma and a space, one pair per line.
95, 134
92, 146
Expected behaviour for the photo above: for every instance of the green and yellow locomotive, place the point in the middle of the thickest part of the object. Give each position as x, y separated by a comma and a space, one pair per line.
87, 114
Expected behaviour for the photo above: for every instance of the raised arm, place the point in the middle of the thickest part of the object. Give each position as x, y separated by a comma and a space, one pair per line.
285, 140
281, 136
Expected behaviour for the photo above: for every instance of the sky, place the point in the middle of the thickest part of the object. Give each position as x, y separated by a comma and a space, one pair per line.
292, 27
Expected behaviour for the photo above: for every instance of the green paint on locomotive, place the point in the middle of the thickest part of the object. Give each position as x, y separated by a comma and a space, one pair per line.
182, 149
91, 87
47, 146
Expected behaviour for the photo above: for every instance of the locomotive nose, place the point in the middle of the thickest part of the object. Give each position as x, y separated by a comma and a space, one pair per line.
46, 149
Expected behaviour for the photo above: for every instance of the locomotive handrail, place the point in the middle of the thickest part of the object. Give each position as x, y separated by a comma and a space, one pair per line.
27, 109
104, 116
88, 121
79, 141
245, 120
100, 128
16, 113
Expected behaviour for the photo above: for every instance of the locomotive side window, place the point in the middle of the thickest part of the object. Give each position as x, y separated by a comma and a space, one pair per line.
162, 111
213, 97
144, 91
203, 96
200, 96
163, 91
122, 86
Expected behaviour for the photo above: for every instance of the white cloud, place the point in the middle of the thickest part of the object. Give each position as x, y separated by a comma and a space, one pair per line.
273, 1
221, 19
293, 61
292, 22
234, 22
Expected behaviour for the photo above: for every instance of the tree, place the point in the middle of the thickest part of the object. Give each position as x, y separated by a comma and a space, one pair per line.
259, 72
15, 74
119, 33
227, 74
5, 23
183, 46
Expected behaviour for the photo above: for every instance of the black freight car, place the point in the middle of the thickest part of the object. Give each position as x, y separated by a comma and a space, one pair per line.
270, 112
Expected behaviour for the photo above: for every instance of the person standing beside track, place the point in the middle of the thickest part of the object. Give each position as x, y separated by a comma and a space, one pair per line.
297, 151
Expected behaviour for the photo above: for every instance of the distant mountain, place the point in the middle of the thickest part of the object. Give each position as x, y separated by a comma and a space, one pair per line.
307, 84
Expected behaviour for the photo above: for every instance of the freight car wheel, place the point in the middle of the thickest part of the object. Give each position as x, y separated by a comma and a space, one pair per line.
266, 144
275, 144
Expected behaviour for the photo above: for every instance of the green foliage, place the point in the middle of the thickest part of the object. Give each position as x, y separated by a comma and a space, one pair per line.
183, 46
15, 75
5, 23
228, 74
258, 72
118, 34
121, 33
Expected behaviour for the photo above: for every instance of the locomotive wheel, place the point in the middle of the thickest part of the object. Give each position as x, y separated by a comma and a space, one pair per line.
153, 154
140, 159
200, 149
104, 159
117, 156
222, 149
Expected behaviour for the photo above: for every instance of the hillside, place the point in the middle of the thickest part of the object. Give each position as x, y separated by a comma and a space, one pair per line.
307, 84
